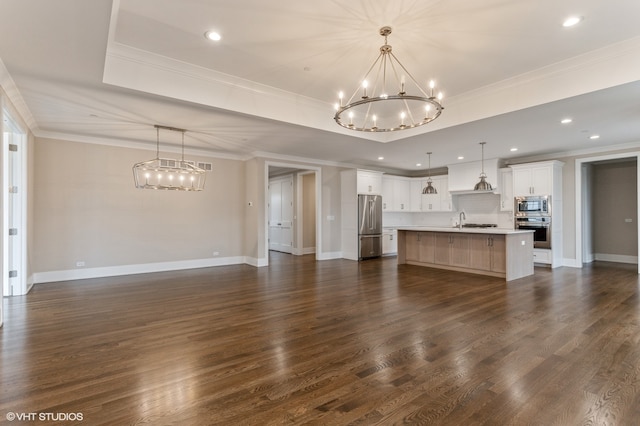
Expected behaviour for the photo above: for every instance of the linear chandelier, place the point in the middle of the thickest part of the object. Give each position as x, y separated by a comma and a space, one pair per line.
379, 110
170, 175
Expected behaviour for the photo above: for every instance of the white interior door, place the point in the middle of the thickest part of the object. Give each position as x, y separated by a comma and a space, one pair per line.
281, 214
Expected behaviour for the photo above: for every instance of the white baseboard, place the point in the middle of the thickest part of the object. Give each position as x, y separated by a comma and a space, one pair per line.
620, 258
257, 262
328, 255
113, 271
308, 250
572, 263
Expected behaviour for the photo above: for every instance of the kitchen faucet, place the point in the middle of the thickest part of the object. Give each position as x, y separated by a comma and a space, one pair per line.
462, 216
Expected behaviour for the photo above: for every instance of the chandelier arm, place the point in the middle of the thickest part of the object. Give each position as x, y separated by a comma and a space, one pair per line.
395, 72
366, 116
364, 78
409, 112
409, 74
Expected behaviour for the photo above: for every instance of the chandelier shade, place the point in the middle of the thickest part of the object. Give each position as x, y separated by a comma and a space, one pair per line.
389, 98
168, 174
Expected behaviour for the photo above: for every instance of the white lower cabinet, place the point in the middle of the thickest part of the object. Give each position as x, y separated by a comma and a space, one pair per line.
389, 241
542, 256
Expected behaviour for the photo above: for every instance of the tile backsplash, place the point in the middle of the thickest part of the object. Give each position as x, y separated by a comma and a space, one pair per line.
478, 208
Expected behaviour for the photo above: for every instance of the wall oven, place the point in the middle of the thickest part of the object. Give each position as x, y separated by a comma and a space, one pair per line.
541, 227
539, 205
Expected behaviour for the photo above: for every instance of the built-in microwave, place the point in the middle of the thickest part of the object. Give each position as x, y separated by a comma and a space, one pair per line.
539, 205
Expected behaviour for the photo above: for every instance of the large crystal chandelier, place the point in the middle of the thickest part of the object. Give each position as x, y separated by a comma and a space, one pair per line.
168, 174
389, 98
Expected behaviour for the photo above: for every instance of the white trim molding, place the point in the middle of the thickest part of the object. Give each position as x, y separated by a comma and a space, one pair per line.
114, 271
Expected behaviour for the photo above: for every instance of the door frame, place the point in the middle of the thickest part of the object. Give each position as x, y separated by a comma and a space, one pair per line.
580, 182
300, 215
19, 137
300, 168
288, 178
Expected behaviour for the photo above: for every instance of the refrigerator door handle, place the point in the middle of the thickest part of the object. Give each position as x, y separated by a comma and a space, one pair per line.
372, 213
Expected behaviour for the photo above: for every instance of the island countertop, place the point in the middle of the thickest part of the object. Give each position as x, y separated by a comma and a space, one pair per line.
494, 231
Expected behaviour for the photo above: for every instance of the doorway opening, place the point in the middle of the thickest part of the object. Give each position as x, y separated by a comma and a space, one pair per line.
607, 210
293, 209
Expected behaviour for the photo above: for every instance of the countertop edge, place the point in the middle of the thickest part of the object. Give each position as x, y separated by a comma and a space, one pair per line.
495, 231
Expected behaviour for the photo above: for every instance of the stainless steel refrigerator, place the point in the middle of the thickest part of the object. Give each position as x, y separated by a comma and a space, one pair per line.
369, 226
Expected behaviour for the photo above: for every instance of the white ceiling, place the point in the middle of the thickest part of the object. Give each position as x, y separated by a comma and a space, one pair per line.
107, 71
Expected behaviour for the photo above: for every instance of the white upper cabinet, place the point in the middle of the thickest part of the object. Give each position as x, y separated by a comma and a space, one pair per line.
369, 182
416, 195
533, 179
396, 194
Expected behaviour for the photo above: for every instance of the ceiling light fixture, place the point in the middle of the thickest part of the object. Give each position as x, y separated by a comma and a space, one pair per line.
483, 185
566, 121
429, 189
513, 149
571, 21
213, 36
176, 175
594, 137
379, 111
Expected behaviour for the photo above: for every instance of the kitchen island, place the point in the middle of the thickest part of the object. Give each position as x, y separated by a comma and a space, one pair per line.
504, 253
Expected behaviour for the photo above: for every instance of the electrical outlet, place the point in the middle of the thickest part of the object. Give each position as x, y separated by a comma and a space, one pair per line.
80, 263
216, 253
524, 243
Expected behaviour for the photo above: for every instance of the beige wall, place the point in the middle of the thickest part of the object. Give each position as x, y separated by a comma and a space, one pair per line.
615, 200
87, 209
253, 213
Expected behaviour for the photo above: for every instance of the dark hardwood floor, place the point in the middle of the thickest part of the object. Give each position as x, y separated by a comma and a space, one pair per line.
333, 343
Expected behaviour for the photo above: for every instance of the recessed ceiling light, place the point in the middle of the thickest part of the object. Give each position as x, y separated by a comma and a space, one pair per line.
594, 137
514, 149
461, 158
571, 21
380, 158
212, 35
418, 164
566, 120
